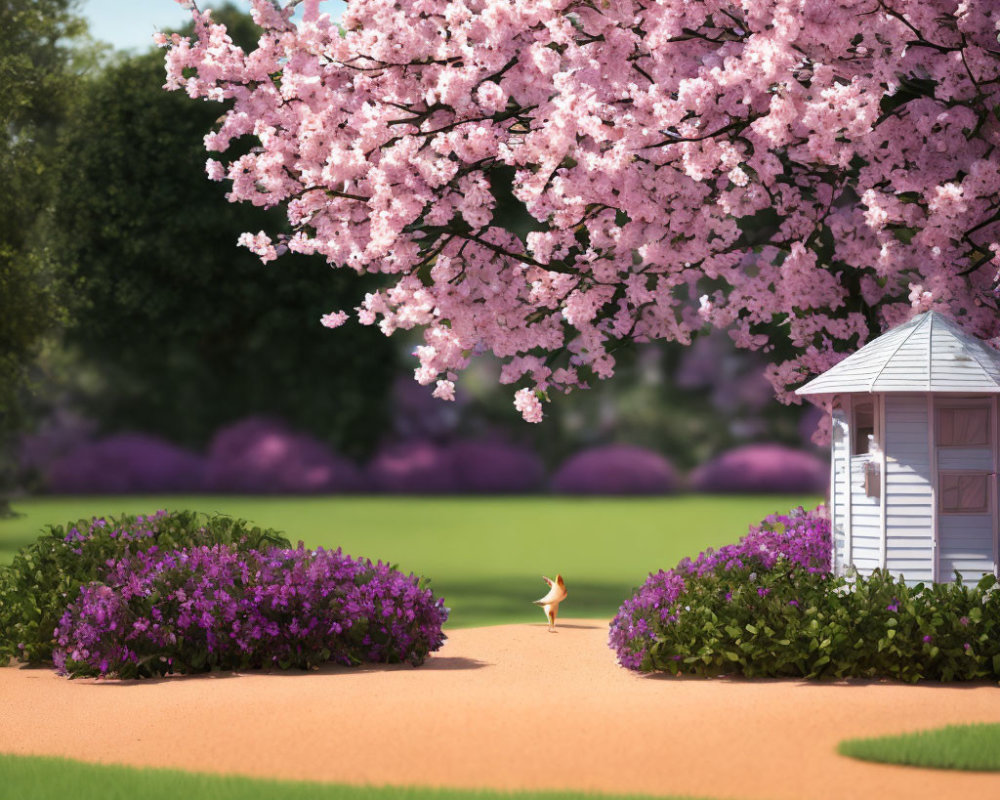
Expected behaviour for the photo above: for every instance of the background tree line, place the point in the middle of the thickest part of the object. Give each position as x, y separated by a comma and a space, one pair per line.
123, 294
123, 290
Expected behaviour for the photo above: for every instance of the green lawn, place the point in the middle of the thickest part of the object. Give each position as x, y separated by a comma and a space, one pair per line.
964, 747
485, 555
34, 778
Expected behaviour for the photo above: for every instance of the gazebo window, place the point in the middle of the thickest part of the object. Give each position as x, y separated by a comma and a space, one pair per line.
964, 426
964, 492
864, 426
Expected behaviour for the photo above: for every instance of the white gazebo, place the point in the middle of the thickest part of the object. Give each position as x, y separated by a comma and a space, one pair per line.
914, 453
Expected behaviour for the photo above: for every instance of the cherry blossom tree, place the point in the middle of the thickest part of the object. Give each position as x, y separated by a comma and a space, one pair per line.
801, 173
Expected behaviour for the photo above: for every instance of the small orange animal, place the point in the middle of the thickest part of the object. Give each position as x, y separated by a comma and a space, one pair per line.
550, 603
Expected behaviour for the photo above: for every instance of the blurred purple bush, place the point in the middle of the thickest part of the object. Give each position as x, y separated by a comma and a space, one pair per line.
813, 422
418, 415
762, 468
615, 469
734, 378
413, 467
59, 434
126, 463
484, 467
262, 456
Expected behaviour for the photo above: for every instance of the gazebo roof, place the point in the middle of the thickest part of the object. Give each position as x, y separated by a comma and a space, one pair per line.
930, 353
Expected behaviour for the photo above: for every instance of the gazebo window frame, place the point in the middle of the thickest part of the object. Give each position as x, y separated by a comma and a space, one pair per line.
955, 406
857, 429
958, 474
870, 457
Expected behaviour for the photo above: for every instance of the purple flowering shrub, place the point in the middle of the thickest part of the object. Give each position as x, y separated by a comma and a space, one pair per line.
769, 607
799, 538
485, 467
57, 435
413, 467
617, 469
48, 573
124, 464
204, 608
258, 455
420, 466
763, 468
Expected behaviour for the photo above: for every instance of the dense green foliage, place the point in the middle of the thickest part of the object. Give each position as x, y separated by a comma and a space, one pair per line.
36, 86
173, 314
787, 622
486, 555
965, 747
46, 575
40, 778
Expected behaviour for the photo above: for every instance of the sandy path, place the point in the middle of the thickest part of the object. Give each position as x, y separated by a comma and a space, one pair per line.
506, 707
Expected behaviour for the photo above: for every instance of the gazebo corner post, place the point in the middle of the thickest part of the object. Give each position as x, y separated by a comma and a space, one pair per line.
932, 453
848, 486
883, 462
832, 491
995, 485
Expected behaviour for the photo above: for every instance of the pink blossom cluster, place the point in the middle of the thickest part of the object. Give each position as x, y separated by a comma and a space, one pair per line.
818, 169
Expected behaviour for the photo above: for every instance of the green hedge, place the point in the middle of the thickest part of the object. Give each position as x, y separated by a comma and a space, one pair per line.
787, 622
45, 576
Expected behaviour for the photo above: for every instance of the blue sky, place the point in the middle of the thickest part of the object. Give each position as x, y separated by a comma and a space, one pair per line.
130, 24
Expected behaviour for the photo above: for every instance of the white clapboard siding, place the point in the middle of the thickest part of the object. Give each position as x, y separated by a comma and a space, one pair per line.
866, 521
966, 545
973, 558
930, 353
840, 489
909, 495
963, 458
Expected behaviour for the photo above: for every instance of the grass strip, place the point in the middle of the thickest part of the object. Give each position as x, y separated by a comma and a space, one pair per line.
46, 778
485, 555
974, 747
